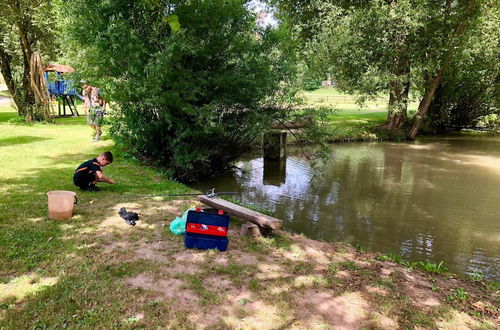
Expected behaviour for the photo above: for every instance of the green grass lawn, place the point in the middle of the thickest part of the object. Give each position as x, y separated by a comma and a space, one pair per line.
7, 113
39, 158
330, 96
42, 157
354, 124
350, 121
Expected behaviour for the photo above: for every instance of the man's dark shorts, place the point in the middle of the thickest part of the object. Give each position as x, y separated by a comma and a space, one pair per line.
95, 116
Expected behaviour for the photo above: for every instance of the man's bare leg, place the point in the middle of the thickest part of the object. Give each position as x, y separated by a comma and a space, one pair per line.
97, 132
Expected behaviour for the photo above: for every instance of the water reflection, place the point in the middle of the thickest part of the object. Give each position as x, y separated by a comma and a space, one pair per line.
274, 171
432, 200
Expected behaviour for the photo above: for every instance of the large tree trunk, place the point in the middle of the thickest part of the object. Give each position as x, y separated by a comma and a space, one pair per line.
21, 82
398, 105
433, 84
430, 90
41, 110
400, 85
6, 69
29, 97
21, 91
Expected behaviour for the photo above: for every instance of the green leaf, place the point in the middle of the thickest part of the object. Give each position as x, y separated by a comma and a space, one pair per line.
173, 22
151, 4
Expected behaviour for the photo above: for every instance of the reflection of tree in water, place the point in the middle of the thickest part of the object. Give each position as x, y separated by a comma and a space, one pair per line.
449, 212
417, 200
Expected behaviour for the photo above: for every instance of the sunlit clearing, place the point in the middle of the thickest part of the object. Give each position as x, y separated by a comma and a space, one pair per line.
22, 286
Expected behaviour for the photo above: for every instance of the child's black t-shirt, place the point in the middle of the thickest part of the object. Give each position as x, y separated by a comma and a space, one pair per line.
90, 166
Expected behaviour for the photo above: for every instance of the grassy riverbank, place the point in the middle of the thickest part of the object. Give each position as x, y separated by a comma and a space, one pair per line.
96, 271
349, 120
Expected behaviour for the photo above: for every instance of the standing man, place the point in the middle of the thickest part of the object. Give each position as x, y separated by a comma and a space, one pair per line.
94, 107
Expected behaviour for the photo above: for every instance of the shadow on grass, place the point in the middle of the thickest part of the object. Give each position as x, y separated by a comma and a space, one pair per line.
81, 120
93, 296
32, 243
28, 239
25, 229
71, 121
25, 245
21, 140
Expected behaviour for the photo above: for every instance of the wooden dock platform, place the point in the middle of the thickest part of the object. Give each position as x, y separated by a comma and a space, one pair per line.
241, 212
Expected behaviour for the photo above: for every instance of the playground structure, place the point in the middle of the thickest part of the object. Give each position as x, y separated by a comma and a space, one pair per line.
61, 88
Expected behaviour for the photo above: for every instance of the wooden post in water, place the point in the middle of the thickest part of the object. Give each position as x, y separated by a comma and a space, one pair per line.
275, 145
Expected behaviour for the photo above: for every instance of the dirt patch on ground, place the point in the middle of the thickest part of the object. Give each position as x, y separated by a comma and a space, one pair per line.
153, 251
170, 289
258, 283
347, 311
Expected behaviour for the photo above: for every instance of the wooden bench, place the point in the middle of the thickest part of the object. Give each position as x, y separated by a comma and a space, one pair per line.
266, 223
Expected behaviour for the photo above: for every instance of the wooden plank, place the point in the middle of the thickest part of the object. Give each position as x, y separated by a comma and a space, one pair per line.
242, 212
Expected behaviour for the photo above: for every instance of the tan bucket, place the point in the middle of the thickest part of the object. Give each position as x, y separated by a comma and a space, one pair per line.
61, 204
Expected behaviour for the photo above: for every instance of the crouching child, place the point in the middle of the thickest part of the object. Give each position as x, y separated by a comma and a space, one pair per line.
90, 172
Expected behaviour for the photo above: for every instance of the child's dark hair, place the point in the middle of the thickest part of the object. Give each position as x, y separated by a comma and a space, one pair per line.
108, 155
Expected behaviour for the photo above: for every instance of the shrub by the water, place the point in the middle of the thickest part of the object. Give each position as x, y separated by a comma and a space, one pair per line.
191, 100
468, 94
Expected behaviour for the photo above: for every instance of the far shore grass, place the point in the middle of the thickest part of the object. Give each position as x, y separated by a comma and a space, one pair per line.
350, 120
95, 271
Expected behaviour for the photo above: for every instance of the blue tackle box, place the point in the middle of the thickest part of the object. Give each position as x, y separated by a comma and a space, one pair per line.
205, 230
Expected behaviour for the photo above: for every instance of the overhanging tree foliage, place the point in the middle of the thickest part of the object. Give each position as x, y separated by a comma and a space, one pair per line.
364, 46
455, 18
26, 26
469, 89
387, 46
192, 100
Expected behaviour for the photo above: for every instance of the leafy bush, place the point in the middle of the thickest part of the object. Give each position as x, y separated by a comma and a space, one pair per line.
311, 79
491, 121
469, 89
192, 100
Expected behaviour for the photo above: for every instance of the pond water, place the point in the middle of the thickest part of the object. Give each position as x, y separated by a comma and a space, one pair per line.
433, 199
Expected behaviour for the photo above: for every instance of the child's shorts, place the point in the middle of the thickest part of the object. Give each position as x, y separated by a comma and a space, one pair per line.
83, 179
